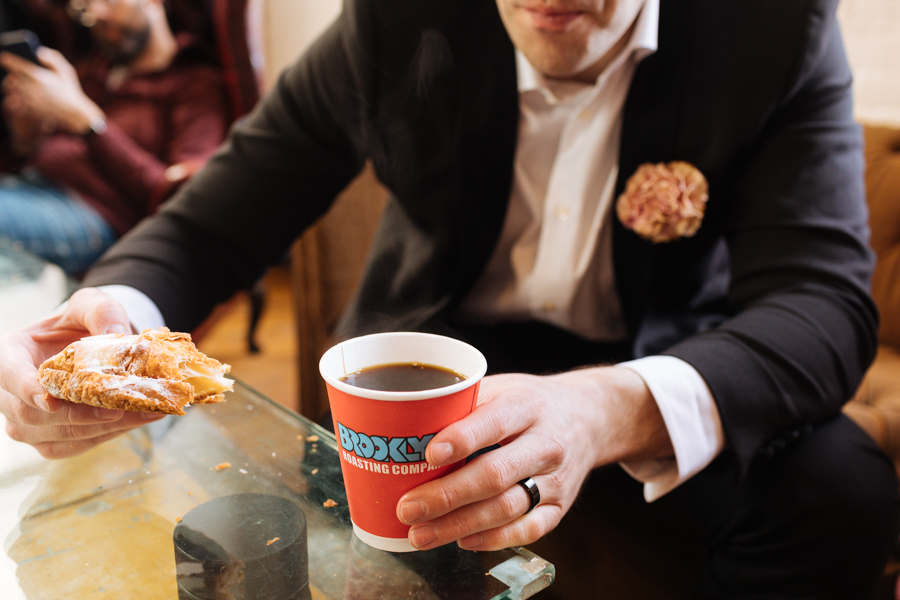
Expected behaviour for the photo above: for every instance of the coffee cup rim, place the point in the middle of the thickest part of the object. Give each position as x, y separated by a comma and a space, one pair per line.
477, 366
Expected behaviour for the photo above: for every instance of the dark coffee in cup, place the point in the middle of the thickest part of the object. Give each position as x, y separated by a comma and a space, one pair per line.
376, 426
403, 377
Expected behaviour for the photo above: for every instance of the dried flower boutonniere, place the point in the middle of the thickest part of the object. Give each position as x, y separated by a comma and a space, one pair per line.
664, 202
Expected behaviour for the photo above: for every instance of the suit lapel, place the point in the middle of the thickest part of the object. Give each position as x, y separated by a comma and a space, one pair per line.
487, 141
649, 134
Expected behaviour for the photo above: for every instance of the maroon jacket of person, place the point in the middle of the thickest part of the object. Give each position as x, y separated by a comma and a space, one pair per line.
154, 121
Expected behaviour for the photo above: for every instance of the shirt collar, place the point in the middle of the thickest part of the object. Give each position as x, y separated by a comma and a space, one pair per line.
644, 42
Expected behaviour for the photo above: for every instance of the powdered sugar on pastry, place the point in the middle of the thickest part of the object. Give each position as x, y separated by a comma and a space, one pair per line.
156, 371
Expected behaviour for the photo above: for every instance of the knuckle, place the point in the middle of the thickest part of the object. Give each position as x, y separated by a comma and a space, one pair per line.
495, 472
107, 308
46, 450
55, 450
552, 484
504, 537
509, 504
530, 531
71, 413
23, 413
546, 519
496, 422
111, 429
498, 474
459, 524
15, 431
488, 427
554, 452
446, 499
64, 433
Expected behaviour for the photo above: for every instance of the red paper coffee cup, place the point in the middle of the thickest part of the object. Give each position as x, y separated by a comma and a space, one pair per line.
382, 435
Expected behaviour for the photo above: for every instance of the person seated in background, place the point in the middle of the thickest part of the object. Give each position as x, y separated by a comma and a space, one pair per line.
97, 147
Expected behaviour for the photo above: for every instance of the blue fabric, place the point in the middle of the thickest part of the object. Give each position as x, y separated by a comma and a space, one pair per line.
51, 222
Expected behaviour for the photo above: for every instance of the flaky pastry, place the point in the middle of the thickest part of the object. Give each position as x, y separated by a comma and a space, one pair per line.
155, 371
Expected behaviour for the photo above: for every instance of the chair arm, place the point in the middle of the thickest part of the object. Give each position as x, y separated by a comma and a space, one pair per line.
876, 405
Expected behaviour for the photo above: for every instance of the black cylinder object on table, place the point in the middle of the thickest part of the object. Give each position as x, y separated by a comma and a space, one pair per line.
242, 547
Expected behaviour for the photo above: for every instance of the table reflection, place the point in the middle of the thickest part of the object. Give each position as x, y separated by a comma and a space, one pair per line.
101, 525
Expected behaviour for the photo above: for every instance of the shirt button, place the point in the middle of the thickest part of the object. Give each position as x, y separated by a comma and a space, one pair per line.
548, 307
562, 212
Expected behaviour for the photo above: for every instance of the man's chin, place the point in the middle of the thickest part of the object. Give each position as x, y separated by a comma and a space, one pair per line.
553, 61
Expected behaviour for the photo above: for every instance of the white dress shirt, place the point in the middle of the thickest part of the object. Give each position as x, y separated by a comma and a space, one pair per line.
553, 262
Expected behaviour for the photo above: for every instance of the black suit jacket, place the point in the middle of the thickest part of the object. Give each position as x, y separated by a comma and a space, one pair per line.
767, 301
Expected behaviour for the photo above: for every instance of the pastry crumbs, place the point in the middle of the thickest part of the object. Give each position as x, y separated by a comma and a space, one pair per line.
329, 503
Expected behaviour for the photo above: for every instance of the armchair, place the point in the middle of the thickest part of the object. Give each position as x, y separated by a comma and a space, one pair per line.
876, 405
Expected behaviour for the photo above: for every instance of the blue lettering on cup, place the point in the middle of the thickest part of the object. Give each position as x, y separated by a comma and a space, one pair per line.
418, 446
397, 453
366, 447
344, 434
382, 449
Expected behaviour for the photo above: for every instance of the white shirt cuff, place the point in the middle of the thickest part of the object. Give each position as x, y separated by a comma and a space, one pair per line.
692, 420
142, 312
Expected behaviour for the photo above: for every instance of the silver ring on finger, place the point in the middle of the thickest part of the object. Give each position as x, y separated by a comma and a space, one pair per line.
534, 493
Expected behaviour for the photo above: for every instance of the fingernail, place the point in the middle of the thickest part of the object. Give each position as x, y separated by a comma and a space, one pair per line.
473, 541
41, 402
107, 414
117, 328
422, 535
411, 511
441, 453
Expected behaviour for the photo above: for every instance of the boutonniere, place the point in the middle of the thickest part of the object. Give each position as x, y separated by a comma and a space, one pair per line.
664, 202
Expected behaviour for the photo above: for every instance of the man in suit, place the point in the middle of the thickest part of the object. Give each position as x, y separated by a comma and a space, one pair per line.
505, 134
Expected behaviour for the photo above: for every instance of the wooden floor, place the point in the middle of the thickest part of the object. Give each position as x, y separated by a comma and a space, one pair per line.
272, 370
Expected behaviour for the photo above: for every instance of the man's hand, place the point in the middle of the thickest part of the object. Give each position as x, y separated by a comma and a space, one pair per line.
52, 91
555, 429
54, 427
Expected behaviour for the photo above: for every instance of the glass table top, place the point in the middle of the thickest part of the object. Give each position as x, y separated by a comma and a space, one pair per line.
101, 525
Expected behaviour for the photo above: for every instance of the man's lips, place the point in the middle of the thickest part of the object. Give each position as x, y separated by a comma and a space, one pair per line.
551, 19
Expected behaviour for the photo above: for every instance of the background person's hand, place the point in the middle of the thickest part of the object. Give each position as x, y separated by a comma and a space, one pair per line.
27, 129
57, 428
51, 91
554, 429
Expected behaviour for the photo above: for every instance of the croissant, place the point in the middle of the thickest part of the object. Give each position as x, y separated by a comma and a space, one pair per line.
155, 371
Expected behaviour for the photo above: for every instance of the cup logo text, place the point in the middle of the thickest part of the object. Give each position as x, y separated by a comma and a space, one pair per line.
384, 449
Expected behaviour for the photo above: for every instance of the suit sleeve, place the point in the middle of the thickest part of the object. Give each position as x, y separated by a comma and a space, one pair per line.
279, 169
803, 329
